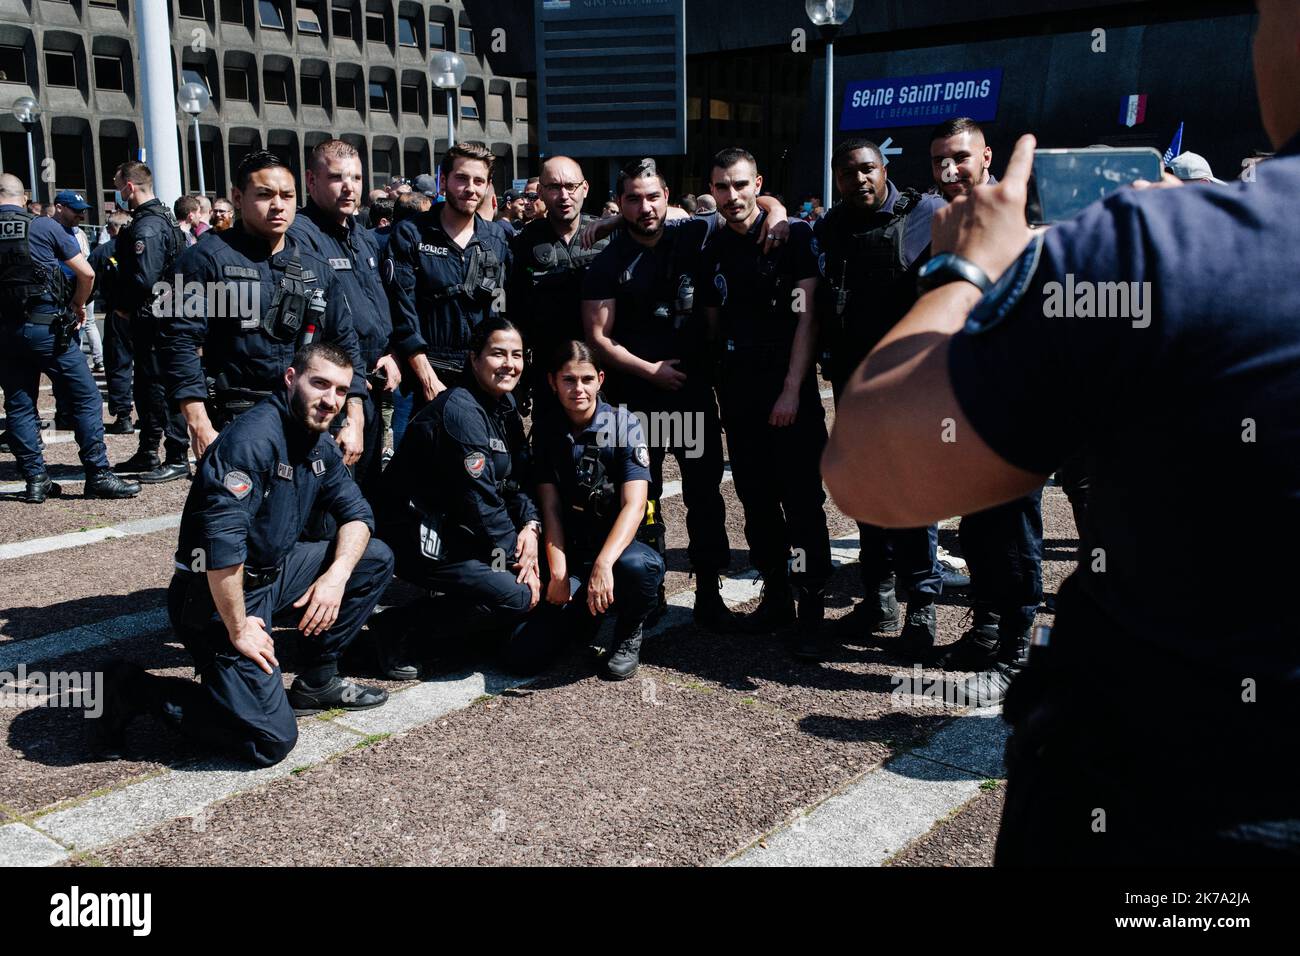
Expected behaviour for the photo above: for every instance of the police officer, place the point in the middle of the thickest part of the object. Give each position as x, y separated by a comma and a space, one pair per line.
147, 252
593, 475
638, 312
251, 297
1003, 545
869, 247
37, 315
117, 328
328, 226
453, 507
1157, 669
549, 262
240, 561
446, 271
761, 307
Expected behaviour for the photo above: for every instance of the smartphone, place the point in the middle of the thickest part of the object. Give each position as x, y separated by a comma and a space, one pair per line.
1064, 181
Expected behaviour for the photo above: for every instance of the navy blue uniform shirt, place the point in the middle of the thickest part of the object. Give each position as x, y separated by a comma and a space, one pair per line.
752, 289
643, 282
617, 435
463, 456
255, 489
51, 245
1159, 332
546, 285
425, 272
354, 257
148, 250
236, 269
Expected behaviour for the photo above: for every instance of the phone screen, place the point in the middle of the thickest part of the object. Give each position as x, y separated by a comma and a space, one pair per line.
1067, 180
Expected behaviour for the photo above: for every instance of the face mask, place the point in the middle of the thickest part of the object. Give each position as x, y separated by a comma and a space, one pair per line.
119, 199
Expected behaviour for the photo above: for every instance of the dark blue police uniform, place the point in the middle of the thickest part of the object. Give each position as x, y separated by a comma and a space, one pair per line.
777, 471
118, 357
246, 362
439, 292
870, 263
33, 294
1180, 379
588, 471
147, 253
458, 472
654, 294
254, 490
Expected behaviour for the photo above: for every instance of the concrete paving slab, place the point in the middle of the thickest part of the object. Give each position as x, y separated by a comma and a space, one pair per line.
77, 539
426, 702
974, 743
20, 845
86, 637
183, 792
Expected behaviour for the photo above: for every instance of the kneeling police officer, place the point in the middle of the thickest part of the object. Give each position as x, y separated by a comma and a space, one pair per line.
593, 478
452, 506
239, 561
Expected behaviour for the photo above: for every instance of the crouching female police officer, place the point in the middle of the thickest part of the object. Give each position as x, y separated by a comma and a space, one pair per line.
452, 507
593, 474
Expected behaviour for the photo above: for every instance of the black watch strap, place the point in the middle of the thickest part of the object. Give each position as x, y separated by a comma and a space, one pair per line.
949, 267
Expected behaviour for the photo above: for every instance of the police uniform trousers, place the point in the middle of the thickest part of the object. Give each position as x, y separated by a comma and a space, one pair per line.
777, 471
159, 419
27, 350
909, 556
237, 706
1003, 547
638, 572
1147, 762
119, 355
700, 464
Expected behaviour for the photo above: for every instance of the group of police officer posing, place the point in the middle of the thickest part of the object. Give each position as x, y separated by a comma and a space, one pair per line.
266, 347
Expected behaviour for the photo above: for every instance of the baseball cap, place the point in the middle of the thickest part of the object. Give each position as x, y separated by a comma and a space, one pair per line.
509, 196
1191, 167
426, 184
72, 199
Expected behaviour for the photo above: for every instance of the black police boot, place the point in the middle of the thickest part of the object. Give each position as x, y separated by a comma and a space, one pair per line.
38, 489
105, 484
122, 701
807, 643
886, 606
975, 650
775, 611
336, 693
122, 425
625, 660
710, 610
989, 688
917, 640
138, 464
167, 471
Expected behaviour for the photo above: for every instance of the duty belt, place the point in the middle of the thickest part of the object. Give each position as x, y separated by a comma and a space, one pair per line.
260, 577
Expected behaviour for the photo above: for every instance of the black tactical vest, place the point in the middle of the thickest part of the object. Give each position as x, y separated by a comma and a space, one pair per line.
24, 284
128, 257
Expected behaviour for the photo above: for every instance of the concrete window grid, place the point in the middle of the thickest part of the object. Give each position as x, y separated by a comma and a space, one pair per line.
230, 122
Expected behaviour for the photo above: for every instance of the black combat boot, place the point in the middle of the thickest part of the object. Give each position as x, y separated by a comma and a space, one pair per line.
807, 643
917, 640
122, 425
167, 471
989, 688
886, 606
138, 464
877, 612
710, 610
105, 484
977, 649
38, 489
775, 610
626, 658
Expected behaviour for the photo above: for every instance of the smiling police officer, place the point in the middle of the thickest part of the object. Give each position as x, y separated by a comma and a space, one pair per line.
446, 271
240, 561
252, 297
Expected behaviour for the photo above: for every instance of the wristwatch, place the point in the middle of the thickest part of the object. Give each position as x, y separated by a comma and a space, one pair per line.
948, 267
534, 524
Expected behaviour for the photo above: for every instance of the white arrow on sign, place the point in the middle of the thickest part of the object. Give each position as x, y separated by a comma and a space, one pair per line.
886, 151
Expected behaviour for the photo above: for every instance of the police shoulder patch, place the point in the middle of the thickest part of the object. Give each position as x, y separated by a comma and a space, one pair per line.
475, 462
318, 467
139, 246
283, 470
642, 456
238, 484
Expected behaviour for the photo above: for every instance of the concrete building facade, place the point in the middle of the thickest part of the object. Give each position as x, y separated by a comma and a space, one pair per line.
284, 75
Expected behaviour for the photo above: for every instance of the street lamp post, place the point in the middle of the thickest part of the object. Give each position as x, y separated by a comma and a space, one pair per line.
448, 73
27, 111
828, 16
194, 99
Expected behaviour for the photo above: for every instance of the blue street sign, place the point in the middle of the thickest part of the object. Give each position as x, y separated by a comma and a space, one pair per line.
920, 100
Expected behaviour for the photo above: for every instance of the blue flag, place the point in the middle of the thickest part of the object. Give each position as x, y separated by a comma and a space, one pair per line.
1175, 147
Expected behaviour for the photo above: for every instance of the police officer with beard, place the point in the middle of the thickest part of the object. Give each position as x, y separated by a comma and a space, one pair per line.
869, 248
328, 226
260, 297
445, 271
147, 252
545, 297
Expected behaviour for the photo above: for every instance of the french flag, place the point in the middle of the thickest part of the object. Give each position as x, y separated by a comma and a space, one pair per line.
1133, 109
